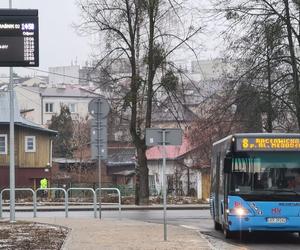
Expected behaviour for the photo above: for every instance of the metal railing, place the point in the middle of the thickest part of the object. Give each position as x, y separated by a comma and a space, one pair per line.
57, 189
66, 192
20, 189
94, 197
119, 197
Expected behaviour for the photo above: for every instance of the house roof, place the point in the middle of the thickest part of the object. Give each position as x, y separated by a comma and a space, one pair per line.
62, 160
172, 112
173, 152
125, 173
66, 91
120, 156
19, 120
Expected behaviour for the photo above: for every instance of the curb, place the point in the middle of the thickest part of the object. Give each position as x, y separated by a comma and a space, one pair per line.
50, 224
55, 225
68, 238
208, 242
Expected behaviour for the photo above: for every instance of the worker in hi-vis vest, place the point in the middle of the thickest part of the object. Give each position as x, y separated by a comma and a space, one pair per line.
44, 185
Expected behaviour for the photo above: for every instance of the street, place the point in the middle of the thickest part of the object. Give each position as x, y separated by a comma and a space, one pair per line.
198, 220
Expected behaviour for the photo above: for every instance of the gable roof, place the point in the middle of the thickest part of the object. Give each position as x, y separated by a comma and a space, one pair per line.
121, 156
66, 91
19, 120
172, 113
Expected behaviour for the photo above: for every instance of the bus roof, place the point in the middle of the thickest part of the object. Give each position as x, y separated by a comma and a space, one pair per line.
229, 137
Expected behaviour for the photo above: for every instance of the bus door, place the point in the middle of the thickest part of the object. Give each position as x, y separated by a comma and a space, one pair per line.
227, 170
226, 190
218, 188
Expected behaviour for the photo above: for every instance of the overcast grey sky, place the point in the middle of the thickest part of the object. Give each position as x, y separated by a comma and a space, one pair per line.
59, 43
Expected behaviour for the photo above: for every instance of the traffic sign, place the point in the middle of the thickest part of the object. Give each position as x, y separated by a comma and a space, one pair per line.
95, 131
99, 139
154, 136
102, 151
99, 107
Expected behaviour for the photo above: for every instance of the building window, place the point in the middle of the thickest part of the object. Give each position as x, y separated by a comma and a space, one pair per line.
30, 144
3, 144
72, 107
49, 108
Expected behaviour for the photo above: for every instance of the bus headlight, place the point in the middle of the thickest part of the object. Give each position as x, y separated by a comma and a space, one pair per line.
239, 211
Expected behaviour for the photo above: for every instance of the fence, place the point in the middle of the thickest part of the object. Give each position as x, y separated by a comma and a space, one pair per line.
20, 189
94, 197
57, 189
66, 199
119, 197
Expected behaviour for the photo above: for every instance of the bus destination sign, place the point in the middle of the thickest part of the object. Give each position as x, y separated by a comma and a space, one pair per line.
19, 44
267, 144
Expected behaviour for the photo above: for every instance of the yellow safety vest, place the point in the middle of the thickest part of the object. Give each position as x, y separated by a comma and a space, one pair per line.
43, 183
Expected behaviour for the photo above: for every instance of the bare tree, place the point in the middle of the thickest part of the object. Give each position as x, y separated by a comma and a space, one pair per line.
264, 35
81, 136
145, 33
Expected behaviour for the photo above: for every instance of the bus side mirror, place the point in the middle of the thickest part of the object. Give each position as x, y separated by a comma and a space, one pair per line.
227, 165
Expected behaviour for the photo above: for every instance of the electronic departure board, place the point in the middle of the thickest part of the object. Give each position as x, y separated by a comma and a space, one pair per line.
267, 144
19, 40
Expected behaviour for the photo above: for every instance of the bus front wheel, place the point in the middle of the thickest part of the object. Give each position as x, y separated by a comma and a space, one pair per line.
228, 234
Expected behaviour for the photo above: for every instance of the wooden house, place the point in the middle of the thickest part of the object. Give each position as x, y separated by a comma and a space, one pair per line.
33, 148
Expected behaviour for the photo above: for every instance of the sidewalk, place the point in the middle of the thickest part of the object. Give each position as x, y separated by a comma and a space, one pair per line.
108, 234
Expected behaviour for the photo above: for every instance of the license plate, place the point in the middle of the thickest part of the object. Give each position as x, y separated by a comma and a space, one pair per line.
276, 220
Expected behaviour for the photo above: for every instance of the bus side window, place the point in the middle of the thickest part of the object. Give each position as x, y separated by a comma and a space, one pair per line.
220, 170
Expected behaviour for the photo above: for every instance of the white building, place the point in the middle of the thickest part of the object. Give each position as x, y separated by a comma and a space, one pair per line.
74, 75
35, 81
64, 75
182, 178
39, 104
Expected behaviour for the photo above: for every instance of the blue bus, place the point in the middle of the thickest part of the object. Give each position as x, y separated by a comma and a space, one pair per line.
255, 183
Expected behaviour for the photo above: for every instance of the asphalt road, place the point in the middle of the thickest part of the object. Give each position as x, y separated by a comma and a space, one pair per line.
197, 220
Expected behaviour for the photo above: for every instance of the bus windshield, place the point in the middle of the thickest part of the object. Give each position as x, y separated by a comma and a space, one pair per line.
266, 172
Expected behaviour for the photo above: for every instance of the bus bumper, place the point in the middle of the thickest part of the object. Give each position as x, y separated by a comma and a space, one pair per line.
252, 223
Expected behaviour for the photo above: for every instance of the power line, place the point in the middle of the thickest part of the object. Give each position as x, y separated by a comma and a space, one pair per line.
39, 104
59, 74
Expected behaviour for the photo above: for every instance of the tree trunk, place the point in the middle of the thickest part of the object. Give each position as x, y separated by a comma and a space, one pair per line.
142, 182
293, 62
151, 69
143, 192
269, 126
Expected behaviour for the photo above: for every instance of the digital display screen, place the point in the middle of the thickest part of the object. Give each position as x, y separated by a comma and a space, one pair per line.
267, 144
19, 41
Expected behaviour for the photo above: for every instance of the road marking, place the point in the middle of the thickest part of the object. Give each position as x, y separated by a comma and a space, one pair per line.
190, 227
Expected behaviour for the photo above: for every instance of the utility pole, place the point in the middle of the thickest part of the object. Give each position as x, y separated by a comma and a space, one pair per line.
99, 127
164, 182
11, 142
164, 137
99, 109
